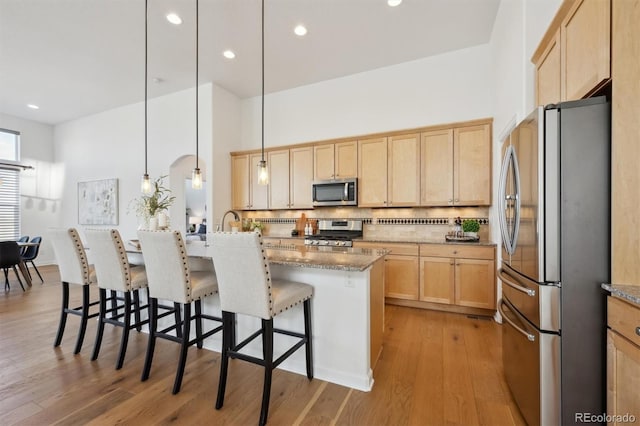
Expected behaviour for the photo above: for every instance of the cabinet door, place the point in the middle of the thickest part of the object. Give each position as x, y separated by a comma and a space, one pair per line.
301, 160
401, 277
323, 162
240, 182
586, 47
404, 170
279, 179
623, 376
472, 166
346, 160
372, 172
548, 74
436, 168
437, 280
475, 283
258, 193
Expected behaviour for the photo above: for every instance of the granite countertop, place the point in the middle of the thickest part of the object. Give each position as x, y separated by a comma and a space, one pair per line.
403, 240
339, 258
627, 292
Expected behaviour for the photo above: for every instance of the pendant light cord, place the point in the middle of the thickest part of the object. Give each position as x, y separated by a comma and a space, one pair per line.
197, 49
262, 158
146, 13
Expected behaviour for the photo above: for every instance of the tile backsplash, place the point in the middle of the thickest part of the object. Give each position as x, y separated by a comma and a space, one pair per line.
386, 223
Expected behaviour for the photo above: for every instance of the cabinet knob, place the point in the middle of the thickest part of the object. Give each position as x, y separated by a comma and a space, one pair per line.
450, 200
384, 202
455, 252
451, 263
638, 331
456, 200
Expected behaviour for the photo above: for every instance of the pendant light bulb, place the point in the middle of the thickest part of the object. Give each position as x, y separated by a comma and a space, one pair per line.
146, 184
263, 173
196, 179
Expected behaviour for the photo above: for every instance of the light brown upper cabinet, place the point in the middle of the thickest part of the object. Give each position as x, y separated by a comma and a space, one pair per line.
456, 166
335, 160
372, 172
586, 47
301, 177
278, 163
548, 74
574, 57
246, 194
389, 171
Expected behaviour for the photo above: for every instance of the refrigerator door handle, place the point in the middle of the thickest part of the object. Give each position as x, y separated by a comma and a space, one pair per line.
510, 241
529, 336
503, 276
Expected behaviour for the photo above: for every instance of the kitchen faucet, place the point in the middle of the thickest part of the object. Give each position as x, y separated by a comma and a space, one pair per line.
236, 217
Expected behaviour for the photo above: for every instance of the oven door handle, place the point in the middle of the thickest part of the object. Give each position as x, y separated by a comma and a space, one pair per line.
528, 335
502, 275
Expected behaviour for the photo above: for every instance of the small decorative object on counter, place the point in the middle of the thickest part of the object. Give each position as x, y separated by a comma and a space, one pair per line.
152, 208
257, 227
470, 227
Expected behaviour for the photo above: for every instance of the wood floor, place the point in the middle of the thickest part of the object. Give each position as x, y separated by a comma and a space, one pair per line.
436, 369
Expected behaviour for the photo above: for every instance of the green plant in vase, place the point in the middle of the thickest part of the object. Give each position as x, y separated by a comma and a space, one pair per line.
148, 207
470, 227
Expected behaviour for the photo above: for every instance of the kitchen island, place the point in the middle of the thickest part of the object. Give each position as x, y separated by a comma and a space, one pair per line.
347, 310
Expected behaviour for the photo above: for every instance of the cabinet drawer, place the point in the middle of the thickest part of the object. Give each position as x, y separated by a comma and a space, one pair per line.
624, 318
394, 248
461, 251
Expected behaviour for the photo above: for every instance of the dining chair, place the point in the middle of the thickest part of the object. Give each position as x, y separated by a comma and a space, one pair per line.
170, 278
23, 239
30, 253
10, 258
74, 269
116, 275
246, 287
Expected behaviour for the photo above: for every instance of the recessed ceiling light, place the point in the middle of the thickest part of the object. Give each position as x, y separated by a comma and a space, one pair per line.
174, 19
229, 54
300, 30
394, 3
32, 106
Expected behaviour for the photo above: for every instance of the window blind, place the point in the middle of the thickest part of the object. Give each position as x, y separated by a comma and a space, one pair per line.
9, 204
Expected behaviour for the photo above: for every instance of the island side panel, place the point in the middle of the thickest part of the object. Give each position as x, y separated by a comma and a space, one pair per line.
376, 309
340, 324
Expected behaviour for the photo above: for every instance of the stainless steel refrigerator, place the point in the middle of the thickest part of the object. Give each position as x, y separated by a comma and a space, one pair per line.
555, 223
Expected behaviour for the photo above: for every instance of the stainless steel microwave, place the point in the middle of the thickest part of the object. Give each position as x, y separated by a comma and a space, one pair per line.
343, 192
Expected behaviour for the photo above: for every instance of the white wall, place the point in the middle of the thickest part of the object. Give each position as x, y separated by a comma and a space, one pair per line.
111, 144
39, 188
440, 89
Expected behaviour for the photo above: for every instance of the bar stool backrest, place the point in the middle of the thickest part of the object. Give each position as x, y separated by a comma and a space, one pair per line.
242, 269
110, 259
165, 259
70, 255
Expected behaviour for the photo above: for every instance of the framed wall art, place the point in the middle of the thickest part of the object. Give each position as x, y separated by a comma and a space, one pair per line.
98, 202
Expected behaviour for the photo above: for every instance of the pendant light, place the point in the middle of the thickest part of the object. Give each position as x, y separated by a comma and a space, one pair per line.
196, 177
263, 173
146, 183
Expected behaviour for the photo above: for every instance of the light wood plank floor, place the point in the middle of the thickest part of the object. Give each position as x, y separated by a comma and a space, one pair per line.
436, 369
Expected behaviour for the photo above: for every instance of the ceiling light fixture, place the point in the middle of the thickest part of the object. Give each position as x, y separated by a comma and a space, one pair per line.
146, 182
32, 106
263, 172
174, 18
300, 30
196, 176
394, 3
229, 54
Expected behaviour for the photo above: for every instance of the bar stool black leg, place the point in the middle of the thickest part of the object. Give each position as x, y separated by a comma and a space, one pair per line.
63, 313
101, 316
37, 272
136, 307
176, 306
125, 331
267, 350
227, 328
184, 347
114, 303
83, 318
307, 335
153, 325
199, 323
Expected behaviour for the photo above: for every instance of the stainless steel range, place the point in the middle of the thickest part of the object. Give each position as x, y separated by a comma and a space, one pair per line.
338, 233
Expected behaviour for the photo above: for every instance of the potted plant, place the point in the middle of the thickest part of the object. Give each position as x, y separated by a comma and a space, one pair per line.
152, 208
256, 226
470, 227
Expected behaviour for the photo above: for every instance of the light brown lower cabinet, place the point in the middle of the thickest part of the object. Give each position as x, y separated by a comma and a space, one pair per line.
623, 361
458, 275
